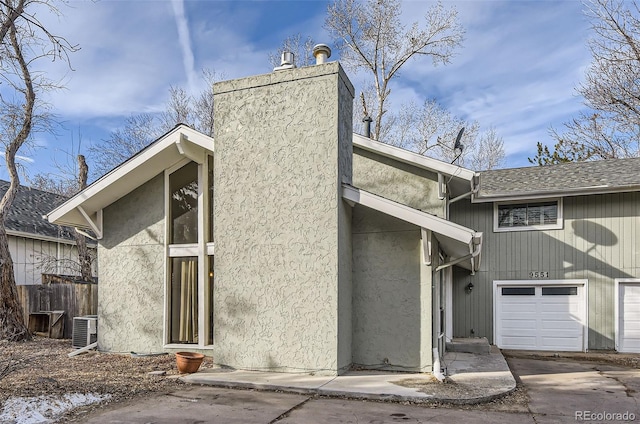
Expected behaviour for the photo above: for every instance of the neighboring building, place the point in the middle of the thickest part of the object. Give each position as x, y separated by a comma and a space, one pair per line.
37, 247
561, 263
291, 244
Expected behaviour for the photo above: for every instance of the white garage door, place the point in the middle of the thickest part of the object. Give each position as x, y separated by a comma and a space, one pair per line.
629, 316
548, 315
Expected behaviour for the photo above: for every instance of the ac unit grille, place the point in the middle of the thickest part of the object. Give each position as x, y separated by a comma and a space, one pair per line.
84, 331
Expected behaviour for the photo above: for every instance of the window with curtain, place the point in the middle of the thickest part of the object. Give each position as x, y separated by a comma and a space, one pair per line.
190, 251
184, 300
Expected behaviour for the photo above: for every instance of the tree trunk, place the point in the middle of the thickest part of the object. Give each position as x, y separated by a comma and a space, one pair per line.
12, 326
84, 256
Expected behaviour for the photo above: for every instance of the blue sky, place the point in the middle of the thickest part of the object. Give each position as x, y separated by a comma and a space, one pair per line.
516, 71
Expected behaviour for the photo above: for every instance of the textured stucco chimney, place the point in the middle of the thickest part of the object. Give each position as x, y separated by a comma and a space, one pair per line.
321, 52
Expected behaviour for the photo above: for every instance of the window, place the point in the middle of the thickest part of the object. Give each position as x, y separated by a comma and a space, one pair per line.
560, 291
518, 291
189, 295
528, 216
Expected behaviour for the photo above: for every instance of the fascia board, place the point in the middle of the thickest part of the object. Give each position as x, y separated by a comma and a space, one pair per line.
437, 225
411, 158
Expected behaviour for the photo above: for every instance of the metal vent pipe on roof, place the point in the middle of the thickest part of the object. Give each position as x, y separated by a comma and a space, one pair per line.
367, 126
321, 52
287, 61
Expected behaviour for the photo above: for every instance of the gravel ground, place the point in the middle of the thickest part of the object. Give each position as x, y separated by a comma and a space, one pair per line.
41, 367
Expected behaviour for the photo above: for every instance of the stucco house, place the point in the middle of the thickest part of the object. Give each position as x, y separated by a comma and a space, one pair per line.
36, 245
289, 243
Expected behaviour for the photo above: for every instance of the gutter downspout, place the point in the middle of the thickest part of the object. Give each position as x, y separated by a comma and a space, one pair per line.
474, 248
437, 369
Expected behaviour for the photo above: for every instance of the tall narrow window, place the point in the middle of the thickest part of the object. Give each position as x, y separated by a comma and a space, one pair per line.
190, 254
184, 300
183, 185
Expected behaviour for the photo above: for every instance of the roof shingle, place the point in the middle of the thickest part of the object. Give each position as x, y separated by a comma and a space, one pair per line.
622, 174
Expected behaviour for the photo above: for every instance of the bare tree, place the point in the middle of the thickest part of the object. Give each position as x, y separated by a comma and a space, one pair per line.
141, 129
24, 41
488, 152
301, 48
431, 130
371, 37
612, 128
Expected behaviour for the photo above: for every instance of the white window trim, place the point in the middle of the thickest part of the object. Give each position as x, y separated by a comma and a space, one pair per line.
616, 306
559, 225
498, 284
202, 250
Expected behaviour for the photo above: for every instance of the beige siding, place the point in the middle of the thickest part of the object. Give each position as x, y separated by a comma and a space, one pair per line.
597, 243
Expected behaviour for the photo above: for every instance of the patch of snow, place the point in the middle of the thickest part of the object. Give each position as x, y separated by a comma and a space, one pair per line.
44, 409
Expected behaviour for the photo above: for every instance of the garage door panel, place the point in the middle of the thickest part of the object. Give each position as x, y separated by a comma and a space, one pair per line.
549, 324
553, 318
521, 308
557, 343
560, 307
629, 317
520, 342
519, 324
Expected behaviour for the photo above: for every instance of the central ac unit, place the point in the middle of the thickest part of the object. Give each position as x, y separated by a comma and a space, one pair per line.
85, 331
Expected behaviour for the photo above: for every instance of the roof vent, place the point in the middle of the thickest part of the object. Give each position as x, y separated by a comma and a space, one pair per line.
287, 61
321, 52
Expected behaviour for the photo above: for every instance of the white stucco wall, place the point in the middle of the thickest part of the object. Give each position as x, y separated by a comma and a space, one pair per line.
281, 228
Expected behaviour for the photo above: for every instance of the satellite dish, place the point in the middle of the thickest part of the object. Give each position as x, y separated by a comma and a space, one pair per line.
458, 145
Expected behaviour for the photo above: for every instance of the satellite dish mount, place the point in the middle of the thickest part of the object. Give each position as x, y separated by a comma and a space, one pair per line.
457, 146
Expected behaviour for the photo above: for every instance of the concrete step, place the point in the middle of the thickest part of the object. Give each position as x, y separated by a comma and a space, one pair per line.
477, 345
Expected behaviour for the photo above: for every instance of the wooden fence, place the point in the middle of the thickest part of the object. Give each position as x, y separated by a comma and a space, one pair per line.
59, 293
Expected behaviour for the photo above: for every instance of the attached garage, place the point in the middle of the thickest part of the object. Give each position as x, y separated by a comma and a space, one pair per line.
540, 315
627, 315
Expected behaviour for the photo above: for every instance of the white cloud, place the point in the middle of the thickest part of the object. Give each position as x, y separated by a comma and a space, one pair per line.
185, 43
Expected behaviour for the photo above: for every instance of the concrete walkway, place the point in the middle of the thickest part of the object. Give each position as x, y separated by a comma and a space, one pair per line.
472, 378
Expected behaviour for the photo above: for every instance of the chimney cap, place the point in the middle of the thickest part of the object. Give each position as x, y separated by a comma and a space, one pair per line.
321, 52
287, 61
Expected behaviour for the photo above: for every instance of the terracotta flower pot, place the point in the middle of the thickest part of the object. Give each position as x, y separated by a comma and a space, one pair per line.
188, 362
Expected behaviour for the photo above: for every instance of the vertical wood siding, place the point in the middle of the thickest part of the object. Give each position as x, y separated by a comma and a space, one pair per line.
598, 242
32, 258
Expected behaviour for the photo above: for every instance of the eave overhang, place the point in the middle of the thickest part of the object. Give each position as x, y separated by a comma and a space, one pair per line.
461, 180
462, 245
84, 210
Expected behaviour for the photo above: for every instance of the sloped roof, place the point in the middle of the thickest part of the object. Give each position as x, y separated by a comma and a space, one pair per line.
26, 213
462, 244
84, 210
567, 179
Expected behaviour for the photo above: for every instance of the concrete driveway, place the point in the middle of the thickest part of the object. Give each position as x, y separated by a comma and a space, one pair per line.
202, 404
557, 390
572, 391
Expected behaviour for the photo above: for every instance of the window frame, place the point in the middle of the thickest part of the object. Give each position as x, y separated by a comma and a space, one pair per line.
203, 249
557, 226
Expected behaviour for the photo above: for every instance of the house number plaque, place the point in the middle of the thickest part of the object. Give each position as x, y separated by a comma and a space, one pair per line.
539, 274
